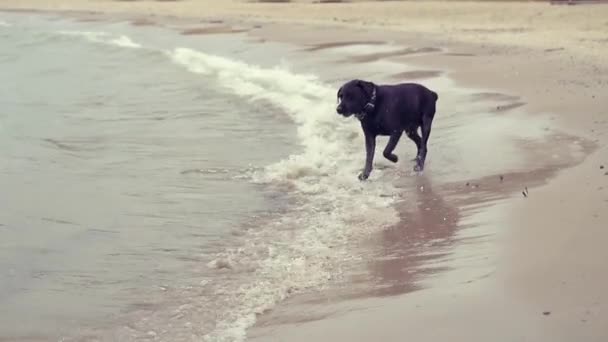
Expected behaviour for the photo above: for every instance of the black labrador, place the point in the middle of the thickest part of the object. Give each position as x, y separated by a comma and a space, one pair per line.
389, 110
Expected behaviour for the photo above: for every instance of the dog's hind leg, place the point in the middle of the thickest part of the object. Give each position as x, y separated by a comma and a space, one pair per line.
427, 121
412, 133
390, 147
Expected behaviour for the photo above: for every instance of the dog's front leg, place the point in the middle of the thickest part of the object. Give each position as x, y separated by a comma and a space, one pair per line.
370, 147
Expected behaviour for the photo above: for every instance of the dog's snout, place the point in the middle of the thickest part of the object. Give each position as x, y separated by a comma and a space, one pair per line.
340, 109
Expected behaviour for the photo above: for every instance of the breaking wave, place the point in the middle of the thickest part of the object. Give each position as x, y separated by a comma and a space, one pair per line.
104, 38
304, 248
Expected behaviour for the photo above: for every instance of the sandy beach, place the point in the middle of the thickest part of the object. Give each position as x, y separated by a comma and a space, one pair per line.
541, 276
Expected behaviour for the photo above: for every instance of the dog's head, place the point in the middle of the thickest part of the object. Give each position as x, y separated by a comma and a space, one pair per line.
355, 98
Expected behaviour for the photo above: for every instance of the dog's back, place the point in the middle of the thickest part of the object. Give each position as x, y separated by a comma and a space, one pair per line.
414, 100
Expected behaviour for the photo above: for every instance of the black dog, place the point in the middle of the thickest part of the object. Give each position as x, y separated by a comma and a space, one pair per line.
389, 110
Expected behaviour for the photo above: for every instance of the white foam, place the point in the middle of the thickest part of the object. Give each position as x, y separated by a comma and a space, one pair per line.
220, 263
302, 249
103, 38
125, 41
323, 134
4, 24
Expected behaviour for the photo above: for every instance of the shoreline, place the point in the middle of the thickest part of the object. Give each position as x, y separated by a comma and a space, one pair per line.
576, 307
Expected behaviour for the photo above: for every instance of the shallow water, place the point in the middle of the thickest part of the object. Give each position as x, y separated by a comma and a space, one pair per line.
121, 173
161, 186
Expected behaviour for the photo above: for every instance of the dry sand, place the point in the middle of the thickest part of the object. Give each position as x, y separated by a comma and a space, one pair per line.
549, 278
578, 30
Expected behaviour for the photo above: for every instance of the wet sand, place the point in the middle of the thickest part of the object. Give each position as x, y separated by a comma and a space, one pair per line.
543, 278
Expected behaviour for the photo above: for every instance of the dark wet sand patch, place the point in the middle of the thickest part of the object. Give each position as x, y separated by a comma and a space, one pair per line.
105, 231
508, 101
330, 1
75, 145
331, 45
58, 221
497, 30
507, 107
212, 30
417, 74
143, 22
60, 145
460, 54
257, 40
489, 96
398, 53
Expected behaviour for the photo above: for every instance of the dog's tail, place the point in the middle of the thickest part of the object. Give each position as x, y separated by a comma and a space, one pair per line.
431, 105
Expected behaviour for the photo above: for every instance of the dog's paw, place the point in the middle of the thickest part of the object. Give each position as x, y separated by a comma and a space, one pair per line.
418, 168
363, 176
392, 158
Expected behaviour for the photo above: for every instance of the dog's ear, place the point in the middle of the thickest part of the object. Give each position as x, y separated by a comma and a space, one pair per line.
368, 87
